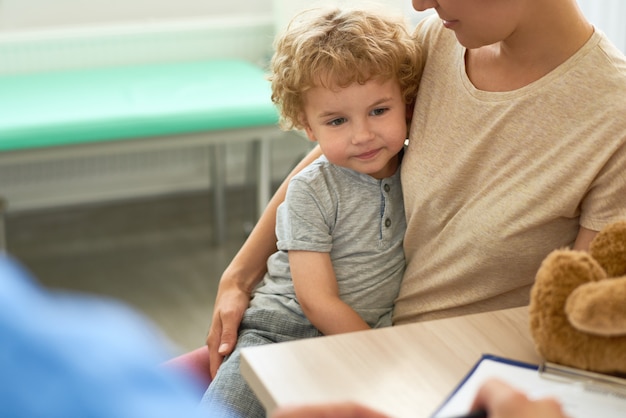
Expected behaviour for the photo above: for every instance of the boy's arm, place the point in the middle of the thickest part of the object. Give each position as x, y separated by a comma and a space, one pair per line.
318, 294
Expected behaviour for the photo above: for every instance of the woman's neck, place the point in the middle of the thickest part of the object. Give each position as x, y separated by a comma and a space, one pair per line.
548, 39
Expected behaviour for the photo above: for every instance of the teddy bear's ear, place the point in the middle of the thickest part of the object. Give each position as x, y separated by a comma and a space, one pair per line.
599, 308
608, 248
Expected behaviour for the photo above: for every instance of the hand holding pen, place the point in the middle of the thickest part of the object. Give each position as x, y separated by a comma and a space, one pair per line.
496, 399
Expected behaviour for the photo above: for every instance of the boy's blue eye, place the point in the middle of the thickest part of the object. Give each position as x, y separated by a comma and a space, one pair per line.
379, 111
337, 122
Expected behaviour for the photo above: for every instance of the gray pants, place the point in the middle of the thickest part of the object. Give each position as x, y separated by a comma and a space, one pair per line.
228, 393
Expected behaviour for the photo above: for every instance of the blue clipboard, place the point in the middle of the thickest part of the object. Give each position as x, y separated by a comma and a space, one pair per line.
581, 393
484, 357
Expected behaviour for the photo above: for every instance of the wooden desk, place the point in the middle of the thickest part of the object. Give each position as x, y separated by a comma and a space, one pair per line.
403, 371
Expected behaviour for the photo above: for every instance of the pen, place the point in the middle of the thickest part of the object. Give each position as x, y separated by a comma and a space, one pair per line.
478, 413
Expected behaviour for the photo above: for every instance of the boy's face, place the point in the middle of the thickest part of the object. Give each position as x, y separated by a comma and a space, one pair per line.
361, 127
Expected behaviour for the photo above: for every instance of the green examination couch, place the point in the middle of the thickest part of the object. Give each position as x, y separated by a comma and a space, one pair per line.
211, 102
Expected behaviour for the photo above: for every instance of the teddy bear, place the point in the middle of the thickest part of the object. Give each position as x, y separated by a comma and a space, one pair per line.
578, 305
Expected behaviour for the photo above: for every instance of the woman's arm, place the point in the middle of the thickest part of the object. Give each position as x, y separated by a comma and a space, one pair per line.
243, 273
584, 238
317, 291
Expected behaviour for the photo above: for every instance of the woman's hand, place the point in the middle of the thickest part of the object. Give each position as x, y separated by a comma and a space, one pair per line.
230, 305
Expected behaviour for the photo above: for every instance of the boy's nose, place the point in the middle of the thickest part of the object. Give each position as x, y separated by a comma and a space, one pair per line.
362, 133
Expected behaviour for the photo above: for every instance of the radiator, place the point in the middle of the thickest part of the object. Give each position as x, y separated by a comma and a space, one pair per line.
249, 38
94, 173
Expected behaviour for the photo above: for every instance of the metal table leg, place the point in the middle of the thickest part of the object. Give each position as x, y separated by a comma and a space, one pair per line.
3, 240
218, 179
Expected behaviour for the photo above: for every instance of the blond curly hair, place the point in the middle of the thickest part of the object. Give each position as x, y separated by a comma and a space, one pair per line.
335, 48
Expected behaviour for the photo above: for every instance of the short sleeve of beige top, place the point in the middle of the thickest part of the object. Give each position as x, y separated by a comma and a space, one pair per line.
495, 181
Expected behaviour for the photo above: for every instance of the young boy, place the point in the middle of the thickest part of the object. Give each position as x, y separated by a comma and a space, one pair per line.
346, 77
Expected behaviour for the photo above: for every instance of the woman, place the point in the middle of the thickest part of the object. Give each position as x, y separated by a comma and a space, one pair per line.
517, 147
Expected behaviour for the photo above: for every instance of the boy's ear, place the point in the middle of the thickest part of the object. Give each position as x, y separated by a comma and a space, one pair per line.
307, 129
309, 133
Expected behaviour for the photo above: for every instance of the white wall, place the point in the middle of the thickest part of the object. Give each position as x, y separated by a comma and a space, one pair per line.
608, 16
46, 14
29, 14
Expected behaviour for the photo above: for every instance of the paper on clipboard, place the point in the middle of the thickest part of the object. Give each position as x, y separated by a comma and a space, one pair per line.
579, 396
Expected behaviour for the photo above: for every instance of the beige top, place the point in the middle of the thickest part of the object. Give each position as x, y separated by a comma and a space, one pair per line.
494, 181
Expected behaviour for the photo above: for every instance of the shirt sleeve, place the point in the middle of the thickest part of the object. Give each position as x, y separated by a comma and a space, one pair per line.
605, 201
305, 219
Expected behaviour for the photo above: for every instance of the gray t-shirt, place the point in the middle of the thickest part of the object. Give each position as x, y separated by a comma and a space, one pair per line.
359, 220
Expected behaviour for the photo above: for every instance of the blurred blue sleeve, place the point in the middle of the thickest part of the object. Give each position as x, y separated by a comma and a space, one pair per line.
69, 355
